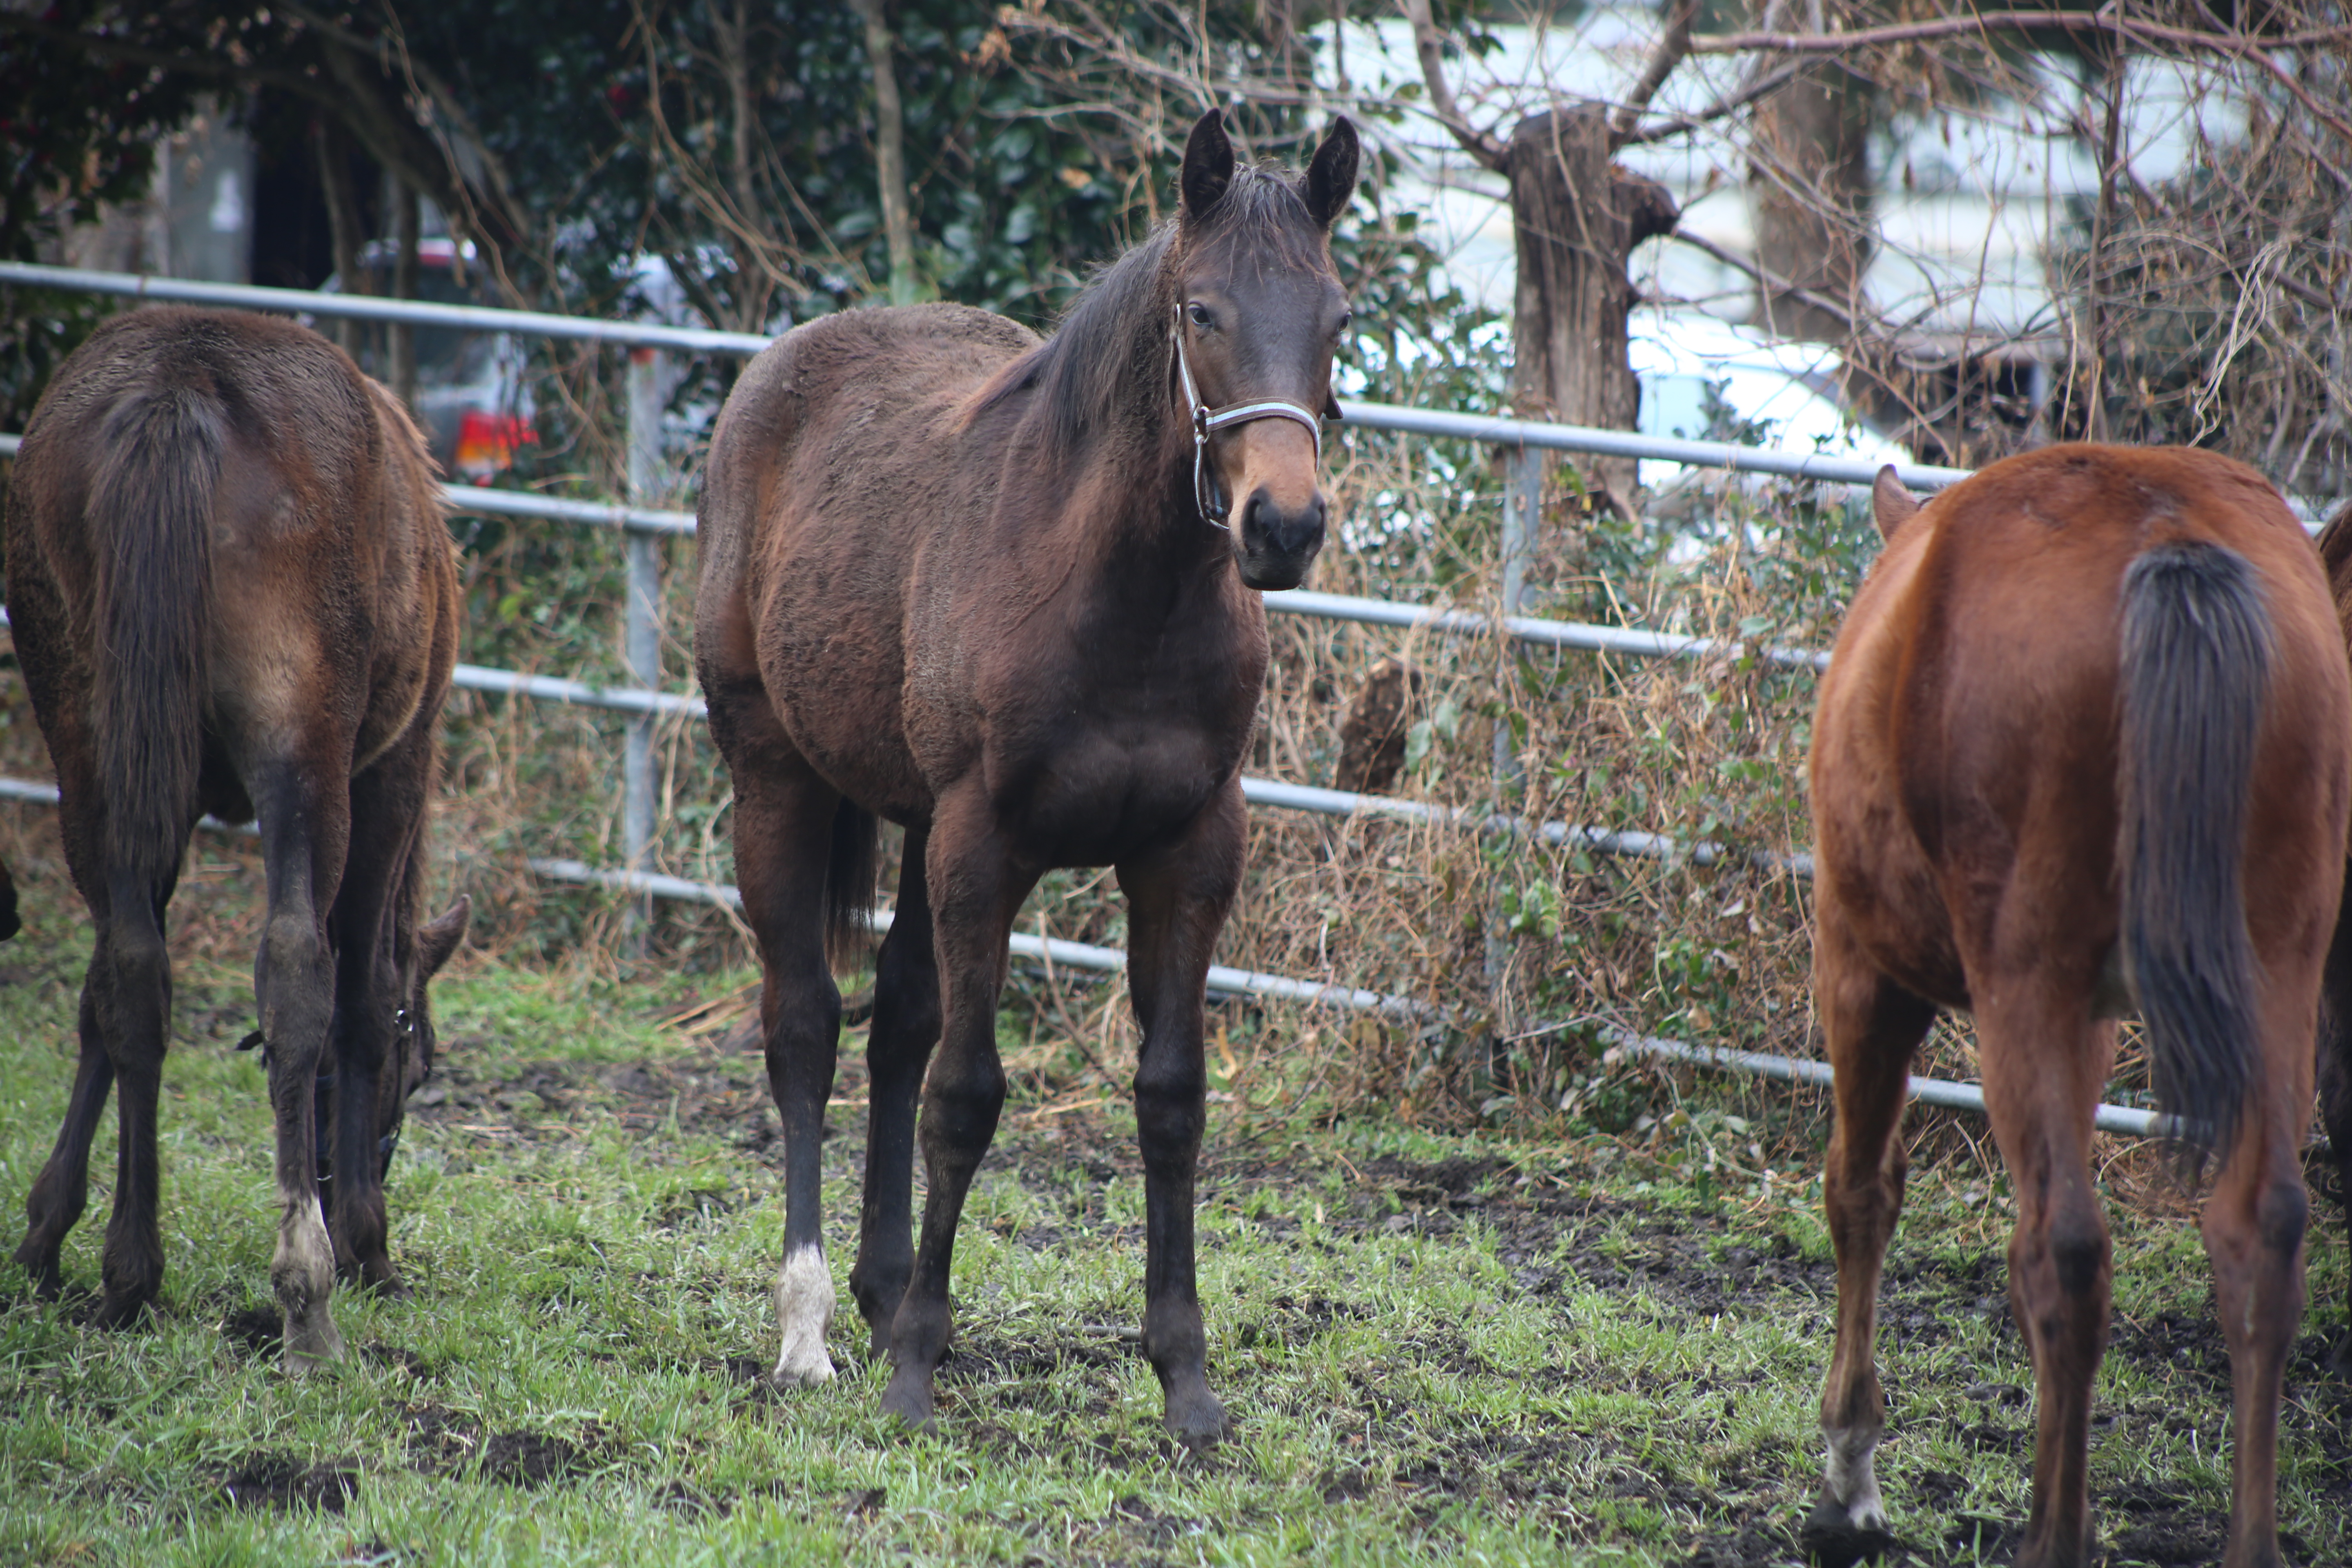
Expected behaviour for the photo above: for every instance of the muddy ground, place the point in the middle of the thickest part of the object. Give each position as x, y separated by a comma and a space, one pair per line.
1550, 1237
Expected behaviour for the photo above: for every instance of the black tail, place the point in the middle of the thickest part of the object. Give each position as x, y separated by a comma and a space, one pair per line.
2196, 663
150, 519
849, 884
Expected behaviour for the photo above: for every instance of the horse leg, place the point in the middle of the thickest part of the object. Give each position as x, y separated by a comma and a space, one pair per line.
305, 817
388, 813
783, 819
976, 891
906, 1027
1872, 1026
2254, 1225
2044, 1059
62, 1189
1177, 900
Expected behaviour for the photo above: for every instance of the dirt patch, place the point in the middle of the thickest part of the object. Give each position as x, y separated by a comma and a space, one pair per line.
534, 1458
544, 1101
398, 1357
1758, 1543
276, 1481
257, 1332
440, 1439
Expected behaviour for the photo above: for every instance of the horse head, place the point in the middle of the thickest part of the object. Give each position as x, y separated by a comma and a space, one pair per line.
410, 1061
1258, 313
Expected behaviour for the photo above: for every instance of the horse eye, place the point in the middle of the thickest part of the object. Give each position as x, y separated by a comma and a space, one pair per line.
1347, 319
1200, 317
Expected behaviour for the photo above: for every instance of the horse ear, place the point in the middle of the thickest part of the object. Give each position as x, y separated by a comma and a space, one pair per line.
1331, 177
440, 937
1890, 504
1208, 164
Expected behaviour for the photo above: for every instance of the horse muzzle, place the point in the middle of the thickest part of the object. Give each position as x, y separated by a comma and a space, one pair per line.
1276, 543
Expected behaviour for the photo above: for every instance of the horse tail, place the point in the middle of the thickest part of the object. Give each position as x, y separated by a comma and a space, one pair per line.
849, 875
2195, 665
150, 521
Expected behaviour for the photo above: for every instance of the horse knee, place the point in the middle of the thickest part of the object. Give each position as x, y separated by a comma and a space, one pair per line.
961, 1108
2281, 1212
295, 982
2079, 1252
1170, 1107
136, 968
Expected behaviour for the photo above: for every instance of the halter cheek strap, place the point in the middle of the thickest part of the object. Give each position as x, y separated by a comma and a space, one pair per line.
1207, 421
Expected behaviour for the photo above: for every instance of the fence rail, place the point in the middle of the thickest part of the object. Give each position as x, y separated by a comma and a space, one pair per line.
643, 523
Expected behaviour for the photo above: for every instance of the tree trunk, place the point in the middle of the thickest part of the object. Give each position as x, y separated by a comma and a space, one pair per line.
1577, 218
400, 355
1808, 192
754, 283
343, 226
890, 154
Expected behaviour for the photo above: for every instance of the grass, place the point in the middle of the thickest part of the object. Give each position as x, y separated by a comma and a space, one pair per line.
1438, 1348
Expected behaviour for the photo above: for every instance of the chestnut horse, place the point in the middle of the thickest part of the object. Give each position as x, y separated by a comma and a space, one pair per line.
2084, 747
993, 589
232, 592
2336, 989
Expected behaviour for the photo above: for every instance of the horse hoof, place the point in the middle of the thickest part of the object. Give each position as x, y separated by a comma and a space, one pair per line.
382, 1280
48, 1280
311, 1349
802, 1366
1197, 1420
909, 1398
118, 1311
1831, 1538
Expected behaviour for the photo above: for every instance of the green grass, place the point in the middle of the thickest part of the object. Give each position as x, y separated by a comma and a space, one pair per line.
1437, 1348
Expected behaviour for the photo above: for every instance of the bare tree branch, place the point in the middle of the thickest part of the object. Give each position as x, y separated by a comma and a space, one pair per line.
2004, 21
1729, 103
1776, 284
2257, 52
1672, 45
1427, 42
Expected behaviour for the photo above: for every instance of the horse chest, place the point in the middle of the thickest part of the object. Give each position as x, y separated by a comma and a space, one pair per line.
1089, 794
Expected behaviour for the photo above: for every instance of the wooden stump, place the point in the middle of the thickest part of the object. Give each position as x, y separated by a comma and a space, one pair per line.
1371, 737
1577, 217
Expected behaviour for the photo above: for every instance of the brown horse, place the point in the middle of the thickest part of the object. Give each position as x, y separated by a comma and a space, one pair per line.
2083, 746
2336, 989
232, 592
984, 586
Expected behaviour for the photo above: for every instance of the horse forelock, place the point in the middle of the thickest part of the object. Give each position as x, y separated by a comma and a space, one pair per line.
1107, 365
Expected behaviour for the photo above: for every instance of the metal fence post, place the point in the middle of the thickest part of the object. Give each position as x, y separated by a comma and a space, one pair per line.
1522, 504
642, 644
1522, 501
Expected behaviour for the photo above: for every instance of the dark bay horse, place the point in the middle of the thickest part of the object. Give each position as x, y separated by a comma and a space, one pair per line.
1005, 592
232, 592
2085, 747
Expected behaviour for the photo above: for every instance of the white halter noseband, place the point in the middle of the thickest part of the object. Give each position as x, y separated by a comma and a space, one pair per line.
1207, 421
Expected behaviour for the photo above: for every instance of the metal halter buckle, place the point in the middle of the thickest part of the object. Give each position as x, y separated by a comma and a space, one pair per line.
1206, 422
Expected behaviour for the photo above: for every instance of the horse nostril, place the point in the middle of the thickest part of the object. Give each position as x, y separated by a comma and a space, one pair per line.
1284, 533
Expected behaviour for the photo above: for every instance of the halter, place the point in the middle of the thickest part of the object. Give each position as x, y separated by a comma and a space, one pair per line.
1207, 421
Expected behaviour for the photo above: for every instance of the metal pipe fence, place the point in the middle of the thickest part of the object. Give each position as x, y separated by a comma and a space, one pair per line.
645, 525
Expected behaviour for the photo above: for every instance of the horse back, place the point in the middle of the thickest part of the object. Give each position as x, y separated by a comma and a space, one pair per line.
1966, 767
840, 457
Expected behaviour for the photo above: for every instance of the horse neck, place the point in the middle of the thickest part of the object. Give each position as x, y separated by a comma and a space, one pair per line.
1127, 512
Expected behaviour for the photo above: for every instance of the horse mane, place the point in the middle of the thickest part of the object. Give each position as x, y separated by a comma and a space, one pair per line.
1106, 366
